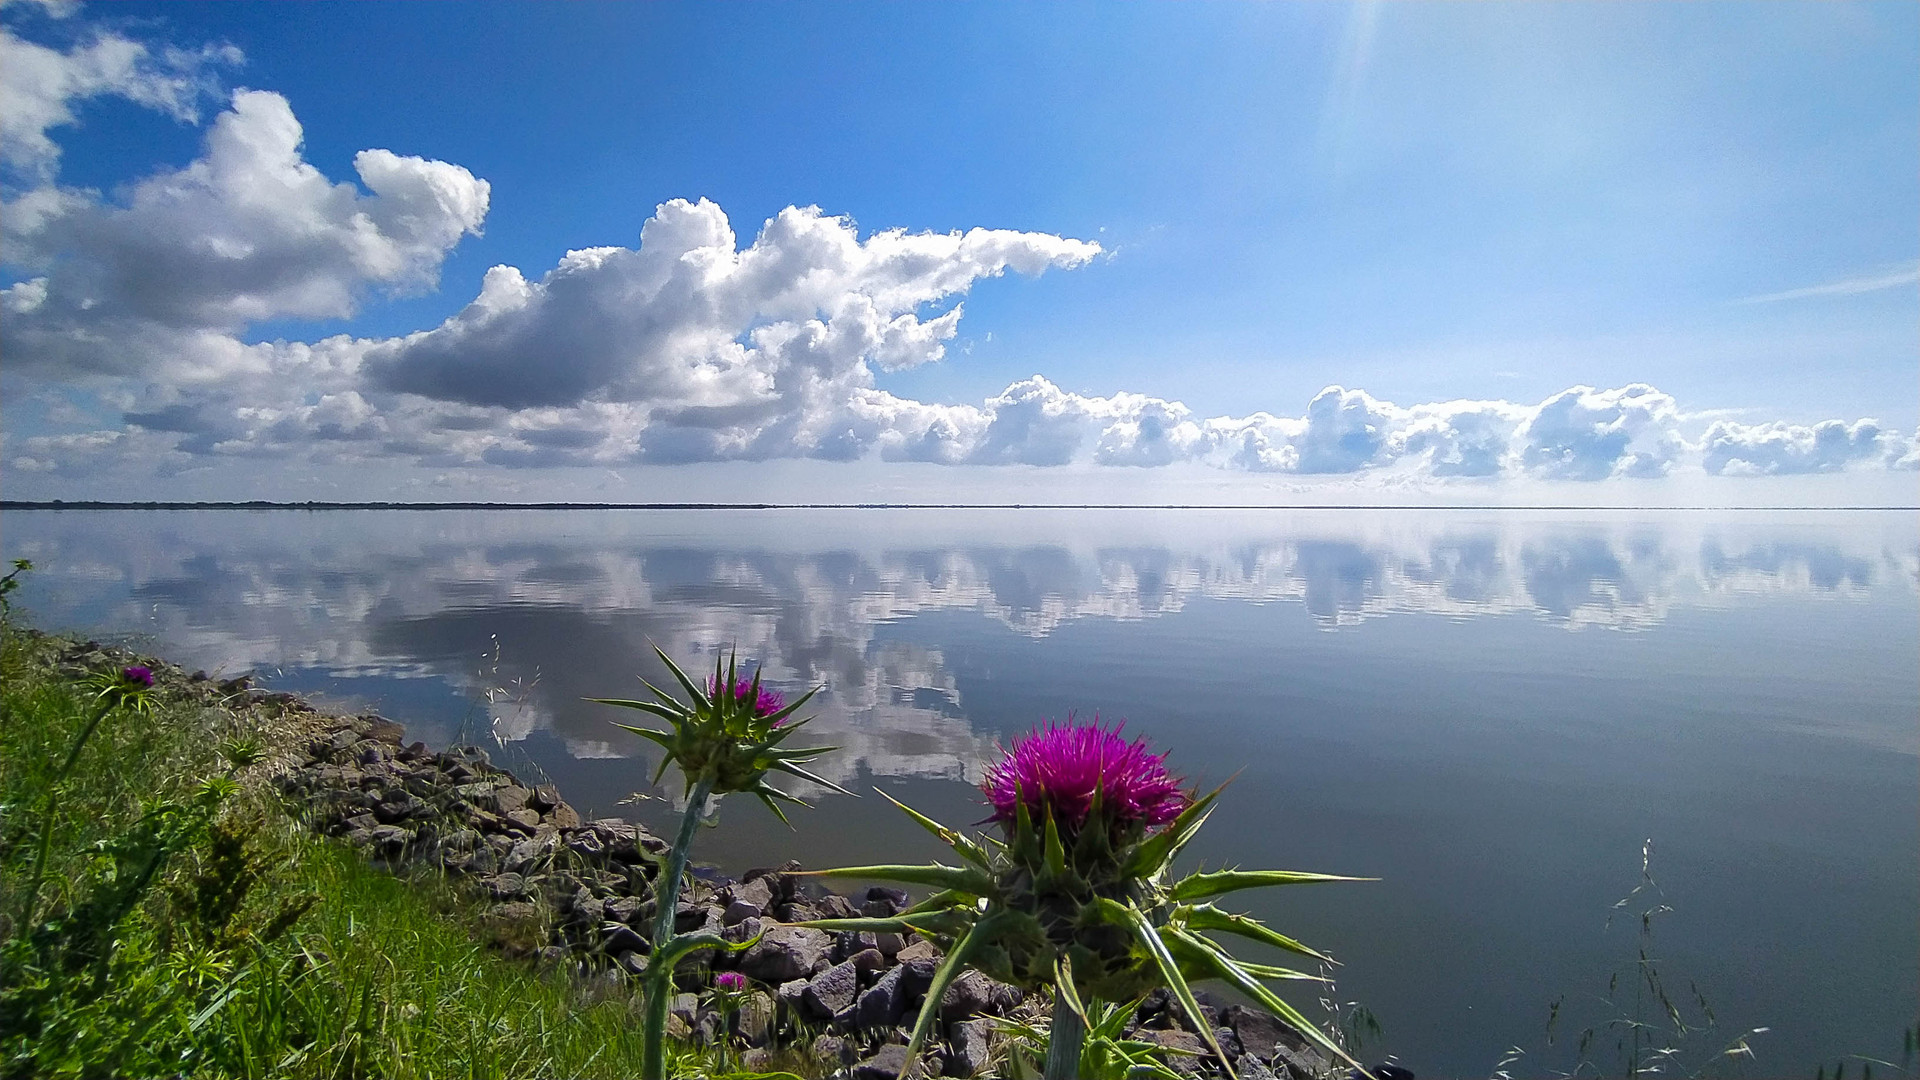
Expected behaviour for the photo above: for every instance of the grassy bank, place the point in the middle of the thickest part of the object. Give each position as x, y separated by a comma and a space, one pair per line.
184, 924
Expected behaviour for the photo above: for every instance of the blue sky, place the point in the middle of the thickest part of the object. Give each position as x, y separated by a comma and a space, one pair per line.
1428, 205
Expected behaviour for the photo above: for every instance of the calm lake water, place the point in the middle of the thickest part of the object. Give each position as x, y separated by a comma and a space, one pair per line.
1492, 711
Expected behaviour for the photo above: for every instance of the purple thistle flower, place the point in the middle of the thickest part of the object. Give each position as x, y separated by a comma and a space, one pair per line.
766, 704
1059, 769
731, 981
137, 674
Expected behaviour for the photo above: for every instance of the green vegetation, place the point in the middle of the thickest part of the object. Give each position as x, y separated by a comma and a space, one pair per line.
723, 740
185, 924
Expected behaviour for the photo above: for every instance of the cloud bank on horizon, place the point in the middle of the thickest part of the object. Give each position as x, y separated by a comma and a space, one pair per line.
688, 347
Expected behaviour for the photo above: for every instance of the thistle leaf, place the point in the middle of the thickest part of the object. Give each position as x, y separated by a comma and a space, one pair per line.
1273, 971
1230, 970
1159, 849
1208, 917
1149, 937
959, 879
895, 925
962, 845
1063, 986
944, 900
659, 710
666, 699
792, 707
949, 920
810, 777
1195, 886
930, 1009
1187, 943
1056, 853
694, 692
683, 944
773, 806
665, 740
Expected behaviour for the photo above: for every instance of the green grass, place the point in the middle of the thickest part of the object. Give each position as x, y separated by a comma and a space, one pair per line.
257, 948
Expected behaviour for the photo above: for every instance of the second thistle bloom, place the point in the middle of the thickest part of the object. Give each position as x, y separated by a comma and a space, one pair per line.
1059, 769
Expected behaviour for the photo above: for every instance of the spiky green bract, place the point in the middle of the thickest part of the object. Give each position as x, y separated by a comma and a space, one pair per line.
1099, 902
721, 733
725, 738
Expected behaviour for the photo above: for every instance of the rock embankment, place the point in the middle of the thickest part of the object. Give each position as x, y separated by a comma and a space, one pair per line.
578, 894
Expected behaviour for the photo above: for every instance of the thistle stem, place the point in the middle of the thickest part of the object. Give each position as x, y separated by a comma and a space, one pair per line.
1069, 1032
51, 810
666, 901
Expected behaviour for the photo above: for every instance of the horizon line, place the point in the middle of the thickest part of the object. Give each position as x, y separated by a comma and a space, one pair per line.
316, 504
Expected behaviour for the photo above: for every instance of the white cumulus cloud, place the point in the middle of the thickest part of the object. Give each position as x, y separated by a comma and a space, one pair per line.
160, 283
689, 346
39, 87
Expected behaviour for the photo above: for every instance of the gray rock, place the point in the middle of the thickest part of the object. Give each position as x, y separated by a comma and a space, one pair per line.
792, 994
625, 908
545, 797
1252, 1068
389, 840
917, 977
508, 886
693, 918
508, 798
528, 852
514, 911
1229, 1043
529, 819
619, 937
919, 950
884, 1065
684, 1006
884, 1003
972, 993
787, 952
831, 1050
1259, 1031
587, 909
868, 960
758, 893
1184, 1049
968, 1047
835, 906
1300, 1064
754, 1022
889, 943
832, 991
633, 963
708, 1026
403, 808
738, 912
745, 930
461, 840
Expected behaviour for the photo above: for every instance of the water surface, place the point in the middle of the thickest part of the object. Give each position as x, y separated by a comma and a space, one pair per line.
1492, 712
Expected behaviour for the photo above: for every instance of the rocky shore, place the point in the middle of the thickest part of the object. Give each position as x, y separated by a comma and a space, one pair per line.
577, 895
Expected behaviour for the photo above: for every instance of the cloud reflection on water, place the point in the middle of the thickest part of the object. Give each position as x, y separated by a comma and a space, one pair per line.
569, 603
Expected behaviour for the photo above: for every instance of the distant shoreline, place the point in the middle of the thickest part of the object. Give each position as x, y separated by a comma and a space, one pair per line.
261, 504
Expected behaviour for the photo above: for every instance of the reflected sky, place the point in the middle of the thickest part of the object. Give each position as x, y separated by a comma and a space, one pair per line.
1490, 710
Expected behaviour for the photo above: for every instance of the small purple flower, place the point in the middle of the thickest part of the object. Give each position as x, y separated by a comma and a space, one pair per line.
142, 676
766, 704
730, 981
1060, 768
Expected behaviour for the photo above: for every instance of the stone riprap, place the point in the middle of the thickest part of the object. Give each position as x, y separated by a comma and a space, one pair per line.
578, 894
